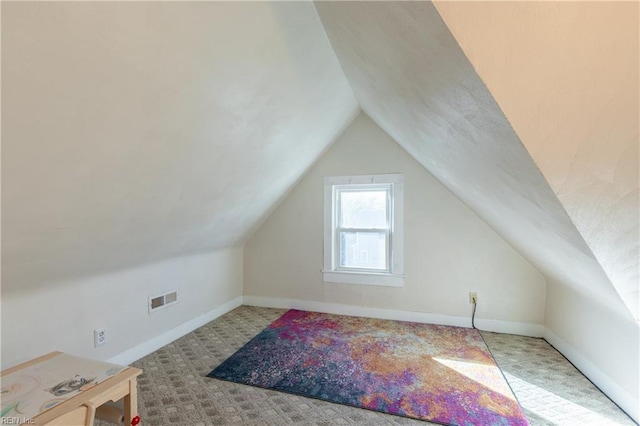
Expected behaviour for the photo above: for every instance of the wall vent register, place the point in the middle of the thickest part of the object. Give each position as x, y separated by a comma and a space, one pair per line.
162, 301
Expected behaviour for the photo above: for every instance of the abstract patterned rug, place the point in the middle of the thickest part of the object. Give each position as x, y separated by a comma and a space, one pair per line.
437, 373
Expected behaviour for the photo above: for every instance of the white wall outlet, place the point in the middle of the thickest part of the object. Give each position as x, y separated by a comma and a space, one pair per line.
473, 297
99, 337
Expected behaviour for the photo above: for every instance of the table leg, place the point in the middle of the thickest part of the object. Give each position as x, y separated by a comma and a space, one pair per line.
131, 403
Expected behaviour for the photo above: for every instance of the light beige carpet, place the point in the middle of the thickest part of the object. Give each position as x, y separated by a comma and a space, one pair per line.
174, 391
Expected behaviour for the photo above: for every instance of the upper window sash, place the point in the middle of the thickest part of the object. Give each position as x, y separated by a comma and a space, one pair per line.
339, 190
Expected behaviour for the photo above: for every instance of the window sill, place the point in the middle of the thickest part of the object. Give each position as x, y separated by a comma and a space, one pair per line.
389, 280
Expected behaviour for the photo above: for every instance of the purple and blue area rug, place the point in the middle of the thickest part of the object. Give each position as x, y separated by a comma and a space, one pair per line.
429, 372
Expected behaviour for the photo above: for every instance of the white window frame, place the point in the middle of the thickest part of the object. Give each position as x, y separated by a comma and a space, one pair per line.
394, 275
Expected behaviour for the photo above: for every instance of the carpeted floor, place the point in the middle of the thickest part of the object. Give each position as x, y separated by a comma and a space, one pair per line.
174, 391
429, 372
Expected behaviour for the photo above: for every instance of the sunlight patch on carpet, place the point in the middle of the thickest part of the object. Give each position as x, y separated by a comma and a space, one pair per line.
554, 408
481, 373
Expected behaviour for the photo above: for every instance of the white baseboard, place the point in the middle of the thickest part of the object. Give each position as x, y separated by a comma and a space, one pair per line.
524, 329
625, 400
151, 345
511, 327
621, 397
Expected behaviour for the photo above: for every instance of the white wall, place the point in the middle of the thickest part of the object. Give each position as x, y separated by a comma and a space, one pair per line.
63, 316
449, 251
604, 343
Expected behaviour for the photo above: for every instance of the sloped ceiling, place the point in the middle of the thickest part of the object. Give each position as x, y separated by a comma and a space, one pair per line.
412, 78
566, 75
134, 132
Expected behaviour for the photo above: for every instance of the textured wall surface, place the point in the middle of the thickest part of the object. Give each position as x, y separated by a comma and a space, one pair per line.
566, 76
411, 77
136, 132
448, 250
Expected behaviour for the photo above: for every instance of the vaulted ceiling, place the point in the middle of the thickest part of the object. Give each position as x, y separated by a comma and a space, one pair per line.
411, 76
133, 132
567, 80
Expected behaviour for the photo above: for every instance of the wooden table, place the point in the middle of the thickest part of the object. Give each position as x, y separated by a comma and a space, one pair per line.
79, 409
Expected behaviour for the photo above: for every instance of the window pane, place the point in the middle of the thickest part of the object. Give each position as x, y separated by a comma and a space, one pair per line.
363, 209
363, 250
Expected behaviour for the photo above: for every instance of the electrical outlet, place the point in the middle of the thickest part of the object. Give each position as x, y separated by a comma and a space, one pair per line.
473, 297
99, 337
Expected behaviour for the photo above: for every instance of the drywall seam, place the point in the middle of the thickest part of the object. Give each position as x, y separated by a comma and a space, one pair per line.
510, 327
151, 345
605, 383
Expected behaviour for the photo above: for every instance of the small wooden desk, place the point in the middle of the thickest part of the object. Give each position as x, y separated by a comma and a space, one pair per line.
79, 409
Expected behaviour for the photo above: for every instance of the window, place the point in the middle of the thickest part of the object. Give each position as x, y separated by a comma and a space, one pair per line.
363, 238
